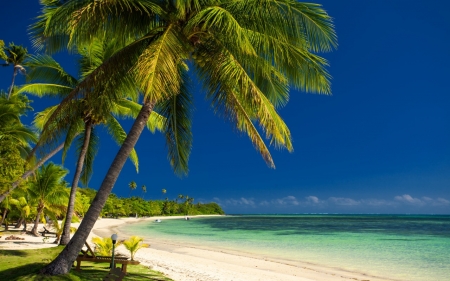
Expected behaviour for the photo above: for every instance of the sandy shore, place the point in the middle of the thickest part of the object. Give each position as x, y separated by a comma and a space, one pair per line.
193, 263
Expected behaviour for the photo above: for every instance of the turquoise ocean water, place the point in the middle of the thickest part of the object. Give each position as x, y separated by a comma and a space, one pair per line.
397, 247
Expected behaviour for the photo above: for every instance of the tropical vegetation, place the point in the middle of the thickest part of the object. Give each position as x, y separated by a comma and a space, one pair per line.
24, 265
246, 54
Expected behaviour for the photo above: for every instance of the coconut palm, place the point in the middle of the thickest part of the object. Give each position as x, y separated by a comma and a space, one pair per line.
144, 190
23, 208
246, 53
59, 82
132, 185
15, 55
48, 190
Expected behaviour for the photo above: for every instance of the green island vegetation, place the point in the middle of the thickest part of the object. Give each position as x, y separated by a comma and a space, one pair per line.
136, 60
138, 207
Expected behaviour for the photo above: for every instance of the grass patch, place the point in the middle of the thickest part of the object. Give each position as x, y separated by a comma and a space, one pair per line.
24, 265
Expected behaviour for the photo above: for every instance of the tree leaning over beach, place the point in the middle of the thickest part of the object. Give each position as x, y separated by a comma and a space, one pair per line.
47, 77
246, 53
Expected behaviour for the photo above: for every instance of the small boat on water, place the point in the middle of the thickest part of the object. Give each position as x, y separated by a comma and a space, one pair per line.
157, 220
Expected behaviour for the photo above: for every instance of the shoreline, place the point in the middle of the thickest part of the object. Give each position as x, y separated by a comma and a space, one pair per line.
190, 262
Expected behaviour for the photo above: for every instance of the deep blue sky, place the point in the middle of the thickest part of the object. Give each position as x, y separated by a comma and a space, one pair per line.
379, 144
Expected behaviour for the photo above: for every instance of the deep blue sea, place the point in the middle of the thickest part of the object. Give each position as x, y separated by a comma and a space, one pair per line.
397, 247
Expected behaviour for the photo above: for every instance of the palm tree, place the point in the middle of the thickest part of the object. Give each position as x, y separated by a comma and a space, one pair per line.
15, 56
15, 140
59, 82
24, 209
132, 185
48, 190
144, 190
247, 54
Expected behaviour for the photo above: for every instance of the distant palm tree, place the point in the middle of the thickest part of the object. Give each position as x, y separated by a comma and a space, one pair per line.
15, 55
132, 185
144, 190
48, 190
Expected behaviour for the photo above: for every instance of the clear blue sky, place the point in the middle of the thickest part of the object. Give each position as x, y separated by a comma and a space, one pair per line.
379, 144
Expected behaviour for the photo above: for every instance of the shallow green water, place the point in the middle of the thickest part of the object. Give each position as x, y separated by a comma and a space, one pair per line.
409, 248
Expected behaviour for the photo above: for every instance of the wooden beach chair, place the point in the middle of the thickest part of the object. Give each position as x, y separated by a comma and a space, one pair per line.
90, 256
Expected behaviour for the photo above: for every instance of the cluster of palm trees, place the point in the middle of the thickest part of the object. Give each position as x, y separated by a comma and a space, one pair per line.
135, 60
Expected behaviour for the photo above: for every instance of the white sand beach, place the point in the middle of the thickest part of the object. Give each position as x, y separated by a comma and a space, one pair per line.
191, 263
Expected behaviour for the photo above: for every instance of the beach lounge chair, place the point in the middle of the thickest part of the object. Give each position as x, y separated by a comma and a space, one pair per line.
90, 256
115, 274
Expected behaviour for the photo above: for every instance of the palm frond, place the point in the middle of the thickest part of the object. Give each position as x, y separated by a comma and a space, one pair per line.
99, 90
45, 68
92, 149
157, 68
224, 26
224, 74
155, 121
75, 128
41, 89
178, 113
126, 17
302, 24
118, 134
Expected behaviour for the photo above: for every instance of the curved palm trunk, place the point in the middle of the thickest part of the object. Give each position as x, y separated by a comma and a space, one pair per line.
19, 222
12, 82
64, 261
5, 211
65, 237
29, 172
36, 221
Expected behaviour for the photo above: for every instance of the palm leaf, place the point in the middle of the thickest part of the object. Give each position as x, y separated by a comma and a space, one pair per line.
178, 113
118, 134
92, 149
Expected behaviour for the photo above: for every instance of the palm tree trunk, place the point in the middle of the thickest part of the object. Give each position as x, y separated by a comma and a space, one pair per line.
12, 82
36, 221
64, 261
65, 237
29, 172
19, 222
5, 211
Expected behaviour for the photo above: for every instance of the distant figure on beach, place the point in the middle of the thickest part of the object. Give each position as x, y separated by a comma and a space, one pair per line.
186, 218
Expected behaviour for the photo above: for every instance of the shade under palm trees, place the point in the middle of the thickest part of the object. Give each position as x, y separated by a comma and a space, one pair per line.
246, 53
